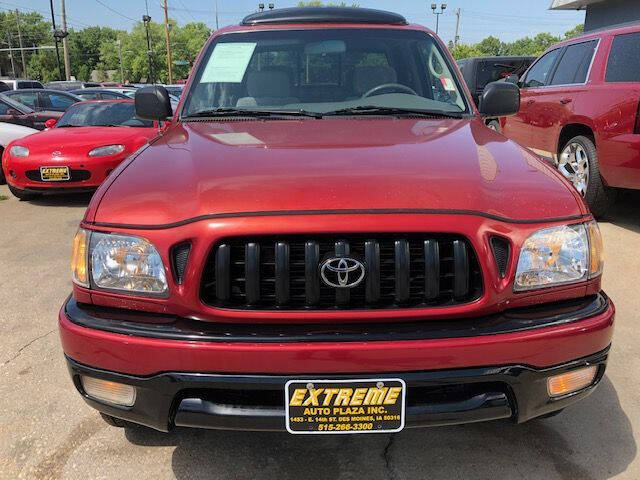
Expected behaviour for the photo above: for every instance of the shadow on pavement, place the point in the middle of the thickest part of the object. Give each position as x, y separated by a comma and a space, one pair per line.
625, 212
592, 439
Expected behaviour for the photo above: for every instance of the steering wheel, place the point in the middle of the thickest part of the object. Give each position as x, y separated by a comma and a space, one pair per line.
397, 86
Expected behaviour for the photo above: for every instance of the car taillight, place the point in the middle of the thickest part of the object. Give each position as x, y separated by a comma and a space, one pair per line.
636, 126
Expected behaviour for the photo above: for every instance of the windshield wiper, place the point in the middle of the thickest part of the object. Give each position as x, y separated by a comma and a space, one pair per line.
237, 112
375, 110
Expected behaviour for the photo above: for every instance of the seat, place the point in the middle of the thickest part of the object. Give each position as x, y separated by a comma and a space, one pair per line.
365, 78
267, 87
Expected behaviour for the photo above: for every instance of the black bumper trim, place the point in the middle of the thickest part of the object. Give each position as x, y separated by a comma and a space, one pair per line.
256, 402
169, 327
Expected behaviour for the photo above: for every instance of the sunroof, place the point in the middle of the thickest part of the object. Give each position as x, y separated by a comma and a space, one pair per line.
324, 15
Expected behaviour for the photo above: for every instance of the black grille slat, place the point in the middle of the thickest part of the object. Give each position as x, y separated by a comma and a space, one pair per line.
283, 272
312, 279
223, 273
431, 269
372, 262
343, 295
252, 272
402, 270
460, 269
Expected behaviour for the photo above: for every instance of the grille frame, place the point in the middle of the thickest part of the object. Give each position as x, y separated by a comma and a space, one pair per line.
306, 292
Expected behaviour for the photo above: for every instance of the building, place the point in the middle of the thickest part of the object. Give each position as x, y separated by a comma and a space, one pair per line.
602, 13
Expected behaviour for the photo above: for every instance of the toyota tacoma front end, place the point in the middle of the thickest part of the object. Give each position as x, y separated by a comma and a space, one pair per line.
328, 239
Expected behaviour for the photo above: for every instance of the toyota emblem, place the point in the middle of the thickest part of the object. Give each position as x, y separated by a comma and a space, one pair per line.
342, 272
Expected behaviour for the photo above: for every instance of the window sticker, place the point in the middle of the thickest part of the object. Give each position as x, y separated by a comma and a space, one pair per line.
228, 62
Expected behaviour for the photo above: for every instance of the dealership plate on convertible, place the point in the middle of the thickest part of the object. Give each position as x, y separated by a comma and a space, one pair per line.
54, 174
345, 406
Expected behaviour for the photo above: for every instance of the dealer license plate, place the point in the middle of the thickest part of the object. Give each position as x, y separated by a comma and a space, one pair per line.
345, 406
54, 174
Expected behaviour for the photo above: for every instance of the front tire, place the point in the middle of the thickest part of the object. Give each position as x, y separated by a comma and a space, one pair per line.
578, 163
23, 194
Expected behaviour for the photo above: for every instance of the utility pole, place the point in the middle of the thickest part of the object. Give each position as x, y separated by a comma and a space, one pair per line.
65, 47
13, 65
217, 24
168, 42
146, 19
119, 43
24, 63
456, 38
55, 37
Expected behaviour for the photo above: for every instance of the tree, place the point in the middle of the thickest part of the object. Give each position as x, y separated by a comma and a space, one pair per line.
490, 46
43, 66
84, 48
35, 32
575, 31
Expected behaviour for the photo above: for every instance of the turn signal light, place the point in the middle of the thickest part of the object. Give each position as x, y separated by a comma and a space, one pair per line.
109, 392
571, 381
79, 266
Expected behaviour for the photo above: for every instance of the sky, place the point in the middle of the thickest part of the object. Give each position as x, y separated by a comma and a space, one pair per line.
505, 19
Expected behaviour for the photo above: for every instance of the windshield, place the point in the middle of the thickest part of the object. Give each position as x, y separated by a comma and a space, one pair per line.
97, 114
324, 71
16, 105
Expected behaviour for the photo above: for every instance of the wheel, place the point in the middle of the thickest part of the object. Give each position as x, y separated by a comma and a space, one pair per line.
494, 125
114, 421
23, 194
578, 162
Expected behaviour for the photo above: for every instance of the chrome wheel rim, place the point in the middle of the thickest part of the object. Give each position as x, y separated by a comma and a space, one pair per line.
574, 165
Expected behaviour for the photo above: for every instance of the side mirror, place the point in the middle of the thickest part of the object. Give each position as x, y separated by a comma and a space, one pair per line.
153, 103
500, 99
50, 123
515, 79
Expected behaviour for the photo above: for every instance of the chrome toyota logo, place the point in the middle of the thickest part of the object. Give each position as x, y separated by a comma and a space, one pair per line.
342, 272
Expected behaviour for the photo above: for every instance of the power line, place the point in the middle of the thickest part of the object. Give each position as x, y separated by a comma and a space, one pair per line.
115, 11
188, 11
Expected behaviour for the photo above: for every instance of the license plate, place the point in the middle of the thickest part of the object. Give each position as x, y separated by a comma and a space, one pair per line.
345, 406
54, 174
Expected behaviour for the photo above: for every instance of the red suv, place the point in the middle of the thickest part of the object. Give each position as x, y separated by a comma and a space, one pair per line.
580, 109
328, 239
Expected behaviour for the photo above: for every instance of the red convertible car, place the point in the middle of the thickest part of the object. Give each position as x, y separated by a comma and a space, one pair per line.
87, 143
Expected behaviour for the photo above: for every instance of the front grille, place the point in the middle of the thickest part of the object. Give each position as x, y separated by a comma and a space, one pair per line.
283, 273
75, 176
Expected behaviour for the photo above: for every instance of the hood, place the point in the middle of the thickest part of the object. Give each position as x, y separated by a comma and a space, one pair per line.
80, 140
235, 167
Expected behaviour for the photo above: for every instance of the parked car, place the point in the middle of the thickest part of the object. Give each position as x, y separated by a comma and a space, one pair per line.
41, 99
15, 112
68, 85
86, 145
580, 110
99, 94
175, 90
480, 71
327, 238
20, 83
8, 133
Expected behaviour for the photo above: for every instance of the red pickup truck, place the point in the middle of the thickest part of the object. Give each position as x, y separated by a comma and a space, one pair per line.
580, 108
326, 238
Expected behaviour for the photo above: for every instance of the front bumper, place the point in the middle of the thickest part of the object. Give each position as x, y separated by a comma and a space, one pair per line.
225, 376
256, 402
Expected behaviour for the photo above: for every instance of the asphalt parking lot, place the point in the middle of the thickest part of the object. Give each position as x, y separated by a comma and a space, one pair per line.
48, 432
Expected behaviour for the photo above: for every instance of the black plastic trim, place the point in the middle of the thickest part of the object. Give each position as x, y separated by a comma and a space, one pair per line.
518, 392
168, 327
308, 15
351, 211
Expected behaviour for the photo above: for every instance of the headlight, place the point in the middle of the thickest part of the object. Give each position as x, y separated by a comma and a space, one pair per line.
117, 262
106, 150
19, 151
559, 255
